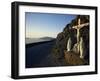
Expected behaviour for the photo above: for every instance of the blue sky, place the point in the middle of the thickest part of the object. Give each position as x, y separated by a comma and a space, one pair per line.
45, 24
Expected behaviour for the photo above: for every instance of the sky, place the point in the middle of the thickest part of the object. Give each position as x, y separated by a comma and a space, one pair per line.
45, 24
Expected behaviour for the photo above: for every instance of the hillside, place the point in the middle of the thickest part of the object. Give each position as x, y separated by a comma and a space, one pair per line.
60, 48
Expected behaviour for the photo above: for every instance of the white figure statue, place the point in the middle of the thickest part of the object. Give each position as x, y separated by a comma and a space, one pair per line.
69, 44
75, 48
81, 48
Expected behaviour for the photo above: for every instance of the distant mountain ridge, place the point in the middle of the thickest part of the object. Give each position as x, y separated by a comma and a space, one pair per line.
47, 38
35, 40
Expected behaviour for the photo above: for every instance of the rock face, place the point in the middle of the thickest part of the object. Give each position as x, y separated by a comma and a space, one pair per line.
69, 32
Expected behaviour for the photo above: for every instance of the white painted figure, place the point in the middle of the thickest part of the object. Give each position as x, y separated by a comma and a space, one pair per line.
81, 48
69, 44
75, 48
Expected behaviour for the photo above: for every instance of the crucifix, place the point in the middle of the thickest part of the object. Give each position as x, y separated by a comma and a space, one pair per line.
78, 27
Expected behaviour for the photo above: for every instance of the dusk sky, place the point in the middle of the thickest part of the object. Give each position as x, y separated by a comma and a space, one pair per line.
45, 24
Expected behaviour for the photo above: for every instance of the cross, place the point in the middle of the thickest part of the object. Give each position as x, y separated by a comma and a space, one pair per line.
78, 27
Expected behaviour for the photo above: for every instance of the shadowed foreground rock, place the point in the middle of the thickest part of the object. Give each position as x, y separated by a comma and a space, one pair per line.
73, 58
